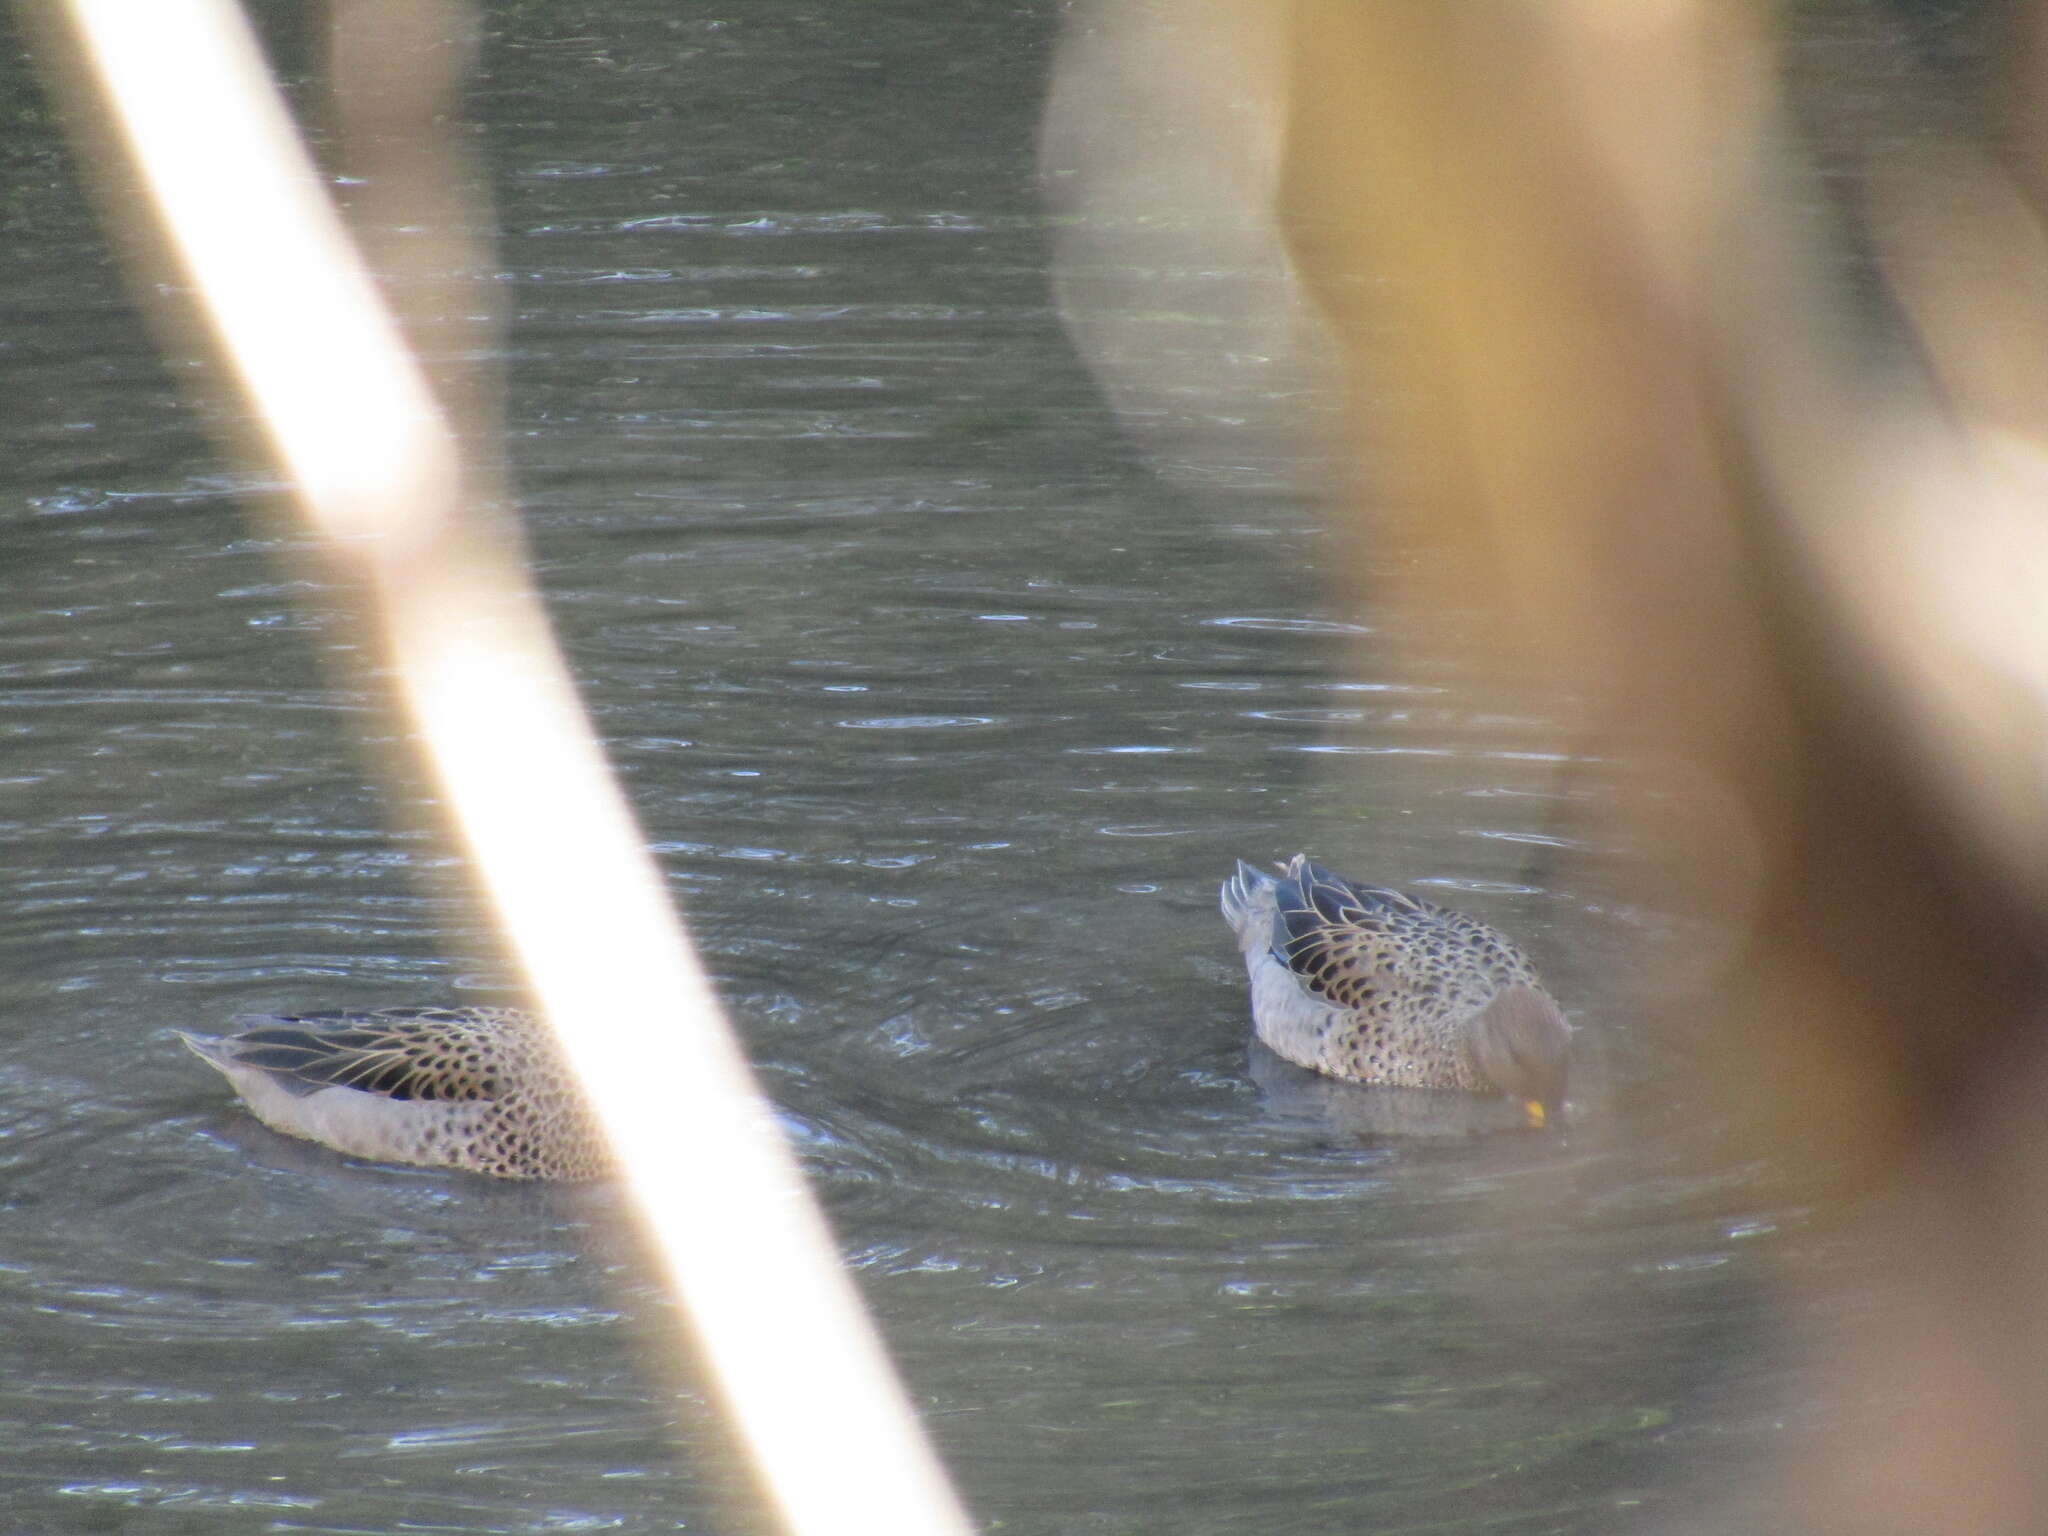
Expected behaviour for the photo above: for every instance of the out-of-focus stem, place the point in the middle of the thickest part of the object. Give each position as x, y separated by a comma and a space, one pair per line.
373, 465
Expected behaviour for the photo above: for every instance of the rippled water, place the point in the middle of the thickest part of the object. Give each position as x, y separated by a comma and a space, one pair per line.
945, 716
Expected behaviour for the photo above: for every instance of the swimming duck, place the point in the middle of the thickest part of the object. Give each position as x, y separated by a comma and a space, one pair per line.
475, 1088
1367, 983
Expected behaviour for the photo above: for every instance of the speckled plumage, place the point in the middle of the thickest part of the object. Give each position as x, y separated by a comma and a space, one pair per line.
476, 1088
1371, 984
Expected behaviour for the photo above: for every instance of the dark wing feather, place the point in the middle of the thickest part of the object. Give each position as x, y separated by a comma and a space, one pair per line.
1345, 941
398, 1054
1348, 901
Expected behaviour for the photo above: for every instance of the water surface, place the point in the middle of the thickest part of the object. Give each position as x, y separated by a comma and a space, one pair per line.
945, 712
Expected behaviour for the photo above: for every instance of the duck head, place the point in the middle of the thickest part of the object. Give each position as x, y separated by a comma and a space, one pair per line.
1522, 1045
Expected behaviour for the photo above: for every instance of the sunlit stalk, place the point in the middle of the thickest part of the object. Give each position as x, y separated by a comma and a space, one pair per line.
375, 468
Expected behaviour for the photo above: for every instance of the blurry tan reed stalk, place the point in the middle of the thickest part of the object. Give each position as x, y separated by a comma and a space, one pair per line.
1170, 271
1605, 408
1630, 436
372, 463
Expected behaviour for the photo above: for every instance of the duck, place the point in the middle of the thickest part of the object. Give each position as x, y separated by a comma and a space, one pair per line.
1370, 984
482, 1089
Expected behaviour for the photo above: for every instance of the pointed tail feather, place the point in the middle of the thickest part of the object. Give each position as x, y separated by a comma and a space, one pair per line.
1247, 902
211, 1049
